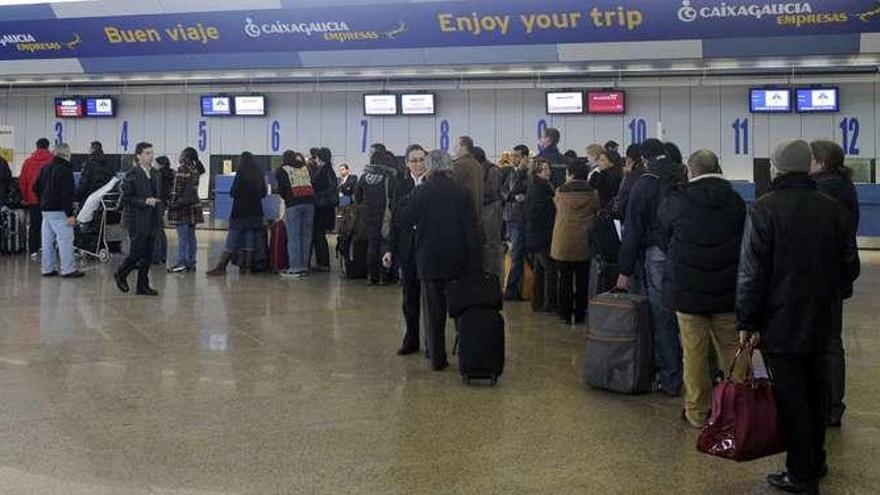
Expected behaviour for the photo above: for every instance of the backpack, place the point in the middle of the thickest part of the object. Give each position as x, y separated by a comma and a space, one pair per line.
667, 184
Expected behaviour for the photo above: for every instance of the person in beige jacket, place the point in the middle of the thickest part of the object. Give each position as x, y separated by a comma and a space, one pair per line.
576, 207
468, 173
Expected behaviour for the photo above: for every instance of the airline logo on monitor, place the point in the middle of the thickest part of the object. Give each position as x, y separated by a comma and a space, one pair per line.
771, 100
216, 105
817, 100
100, 107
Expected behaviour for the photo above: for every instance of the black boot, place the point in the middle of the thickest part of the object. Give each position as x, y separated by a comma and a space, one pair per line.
247, 265
143, 283
121, 283
220, 269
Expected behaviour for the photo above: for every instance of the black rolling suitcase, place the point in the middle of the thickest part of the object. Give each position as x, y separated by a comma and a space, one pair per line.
619, 351
13, 231
354, 260
475, 302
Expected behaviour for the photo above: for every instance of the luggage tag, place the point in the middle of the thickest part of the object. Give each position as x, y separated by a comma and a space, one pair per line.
759, 367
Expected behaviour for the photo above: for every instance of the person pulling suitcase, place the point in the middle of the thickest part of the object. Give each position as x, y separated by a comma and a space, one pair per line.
447, 244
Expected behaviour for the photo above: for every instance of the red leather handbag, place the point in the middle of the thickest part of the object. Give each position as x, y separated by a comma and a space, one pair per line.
744, 424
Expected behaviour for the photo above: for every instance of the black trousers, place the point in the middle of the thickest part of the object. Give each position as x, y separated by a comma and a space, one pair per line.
412, 304
799, 388
545, 283
435, 334
140, 256
322, 249
836, 375
574, 288
35, 230
375, 270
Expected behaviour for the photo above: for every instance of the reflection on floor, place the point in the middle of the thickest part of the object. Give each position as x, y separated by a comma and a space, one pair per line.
260, 385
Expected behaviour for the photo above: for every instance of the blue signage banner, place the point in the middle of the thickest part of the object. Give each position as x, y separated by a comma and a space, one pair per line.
430, 25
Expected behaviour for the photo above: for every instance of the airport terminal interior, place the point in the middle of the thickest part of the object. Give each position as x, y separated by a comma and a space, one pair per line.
261, 359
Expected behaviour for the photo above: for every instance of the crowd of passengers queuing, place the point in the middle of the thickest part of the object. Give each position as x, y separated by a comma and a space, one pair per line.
716, 276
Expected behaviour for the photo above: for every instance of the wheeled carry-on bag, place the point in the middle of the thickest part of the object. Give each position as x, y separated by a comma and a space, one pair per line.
619, 350
278, 260
475, 303
13, 231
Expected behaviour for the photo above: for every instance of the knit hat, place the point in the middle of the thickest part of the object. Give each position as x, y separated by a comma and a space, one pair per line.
438, 161
792, 155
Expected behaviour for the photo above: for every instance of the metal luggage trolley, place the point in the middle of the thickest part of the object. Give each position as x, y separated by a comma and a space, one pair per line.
107, 233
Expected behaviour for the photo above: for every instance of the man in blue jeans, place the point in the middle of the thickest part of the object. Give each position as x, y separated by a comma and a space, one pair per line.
640, 243
514, 192
55, 188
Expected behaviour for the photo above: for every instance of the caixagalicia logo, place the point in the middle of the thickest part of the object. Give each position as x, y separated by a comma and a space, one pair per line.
689, 12
28, 42
335, 30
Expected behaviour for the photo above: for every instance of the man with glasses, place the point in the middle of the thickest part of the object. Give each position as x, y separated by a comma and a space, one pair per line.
402, 246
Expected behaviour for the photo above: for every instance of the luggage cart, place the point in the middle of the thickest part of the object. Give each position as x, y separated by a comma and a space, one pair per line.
107, 232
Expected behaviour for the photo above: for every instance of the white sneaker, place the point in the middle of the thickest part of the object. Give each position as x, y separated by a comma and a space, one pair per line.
35, 257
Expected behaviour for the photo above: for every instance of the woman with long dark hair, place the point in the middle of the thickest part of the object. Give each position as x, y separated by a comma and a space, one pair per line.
248, 191
607, 176
324, 183
540, 212
185, 210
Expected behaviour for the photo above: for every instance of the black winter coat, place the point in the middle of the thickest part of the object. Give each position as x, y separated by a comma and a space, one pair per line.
641, 213
607, 182
618, 206
447, 240
137, 187
375, 189
247, 201
96, 174
700, 229
5, 182
324, 182
798, 256
840, 187
540, 214
402, 243
55, 187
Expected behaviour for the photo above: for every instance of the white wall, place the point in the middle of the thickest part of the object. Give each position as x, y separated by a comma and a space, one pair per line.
694, 117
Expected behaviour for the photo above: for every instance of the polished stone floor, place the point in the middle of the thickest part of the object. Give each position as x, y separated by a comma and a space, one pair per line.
261, 385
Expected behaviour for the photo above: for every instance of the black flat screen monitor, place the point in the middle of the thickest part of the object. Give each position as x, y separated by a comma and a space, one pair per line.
770, 100
565, 102
380, 105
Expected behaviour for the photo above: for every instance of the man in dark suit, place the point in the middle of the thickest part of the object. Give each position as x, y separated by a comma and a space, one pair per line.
140, 192
402, 246
447, 243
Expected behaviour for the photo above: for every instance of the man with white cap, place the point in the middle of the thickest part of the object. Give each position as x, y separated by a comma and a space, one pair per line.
797, 256
447, 243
